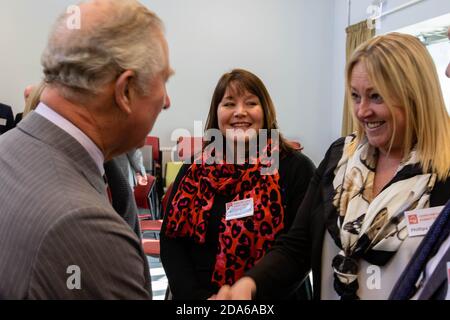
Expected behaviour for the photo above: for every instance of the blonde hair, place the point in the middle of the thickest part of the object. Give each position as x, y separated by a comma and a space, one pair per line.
32, 101
403, 72
126, 37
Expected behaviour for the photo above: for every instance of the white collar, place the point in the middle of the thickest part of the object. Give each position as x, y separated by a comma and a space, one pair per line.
75, 132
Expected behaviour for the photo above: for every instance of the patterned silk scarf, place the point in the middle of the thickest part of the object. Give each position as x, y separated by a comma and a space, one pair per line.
368, 228
242, 242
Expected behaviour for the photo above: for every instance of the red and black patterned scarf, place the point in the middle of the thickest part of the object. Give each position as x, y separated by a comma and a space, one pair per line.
242, 242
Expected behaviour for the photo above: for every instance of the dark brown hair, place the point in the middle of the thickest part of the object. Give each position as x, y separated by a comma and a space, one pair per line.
243, 80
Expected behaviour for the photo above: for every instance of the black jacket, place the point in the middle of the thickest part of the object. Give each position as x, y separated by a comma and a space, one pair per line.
6, 118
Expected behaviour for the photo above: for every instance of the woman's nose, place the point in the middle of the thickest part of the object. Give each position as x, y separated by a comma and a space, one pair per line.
363, 109
240, 110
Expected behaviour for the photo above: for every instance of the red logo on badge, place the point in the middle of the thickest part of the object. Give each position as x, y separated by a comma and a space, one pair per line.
413, 219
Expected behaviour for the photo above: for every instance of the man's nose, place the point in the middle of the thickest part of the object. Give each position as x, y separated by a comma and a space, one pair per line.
166, 102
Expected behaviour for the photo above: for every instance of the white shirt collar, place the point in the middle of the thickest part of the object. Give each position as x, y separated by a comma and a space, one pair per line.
76, 133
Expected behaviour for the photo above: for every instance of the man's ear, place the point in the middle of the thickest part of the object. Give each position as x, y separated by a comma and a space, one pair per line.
122, 91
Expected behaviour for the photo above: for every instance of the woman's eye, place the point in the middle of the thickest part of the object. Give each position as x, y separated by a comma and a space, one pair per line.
376, 98
252, 103
228, 104
355, 97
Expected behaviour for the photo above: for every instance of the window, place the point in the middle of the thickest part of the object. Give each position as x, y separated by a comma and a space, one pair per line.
433, 33
440, 52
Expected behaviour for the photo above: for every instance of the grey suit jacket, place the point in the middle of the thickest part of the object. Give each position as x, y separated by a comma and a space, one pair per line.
57, 225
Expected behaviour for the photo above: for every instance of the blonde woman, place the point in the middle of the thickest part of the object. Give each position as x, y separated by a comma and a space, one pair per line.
351, 230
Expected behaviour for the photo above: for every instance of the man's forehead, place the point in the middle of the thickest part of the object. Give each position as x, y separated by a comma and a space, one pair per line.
167, 71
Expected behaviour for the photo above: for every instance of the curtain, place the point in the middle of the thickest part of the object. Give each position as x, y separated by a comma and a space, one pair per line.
356, 35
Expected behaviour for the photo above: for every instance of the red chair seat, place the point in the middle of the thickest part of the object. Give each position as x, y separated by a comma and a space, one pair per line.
151, 225
151, 247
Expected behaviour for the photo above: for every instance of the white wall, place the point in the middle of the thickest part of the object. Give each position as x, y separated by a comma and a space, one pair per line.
410, 15
287, 43
24, 26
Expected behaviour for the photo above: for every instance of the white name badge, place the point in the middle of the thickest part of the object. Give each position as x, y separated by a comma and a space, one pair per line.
2, 122
239, 209
419, 221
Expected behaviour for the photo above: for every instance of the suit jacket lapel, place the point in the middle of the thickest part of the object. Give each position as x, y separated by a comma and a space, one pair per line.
37, 126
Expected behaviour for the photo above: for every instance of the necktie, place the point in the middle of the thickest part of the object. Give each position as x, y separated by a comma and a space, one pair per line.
439, 231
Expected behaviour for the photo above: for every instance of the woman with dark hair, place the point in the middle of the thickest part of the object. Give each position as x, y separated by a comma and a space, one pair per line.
224, 215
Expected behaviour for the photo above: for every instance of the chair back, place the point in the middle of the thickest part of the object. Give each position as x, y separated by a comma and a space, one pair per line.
172, 169
154, 143
145, 196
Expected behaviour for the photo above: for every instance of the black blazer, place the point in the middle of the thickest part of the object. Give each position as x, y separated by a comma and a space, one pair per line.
18, 118
6, 118
298, 252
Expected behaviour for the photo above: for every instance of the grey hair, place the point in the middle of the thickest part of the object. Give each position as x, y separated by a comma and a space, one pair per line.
128, 37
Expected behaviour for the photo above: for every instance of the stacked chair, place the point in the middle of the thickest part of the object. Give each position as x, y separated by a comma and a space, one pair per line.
148, 197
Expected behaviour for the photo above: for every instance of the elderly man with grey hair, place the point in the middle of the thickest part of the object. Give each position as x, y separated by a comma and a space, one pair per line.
60, 238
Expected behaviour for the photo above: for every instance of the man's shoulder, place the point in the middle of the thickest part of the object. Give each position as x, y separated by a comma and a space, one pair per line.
339, 143
45, 231
334, 152
41, 183
93, 241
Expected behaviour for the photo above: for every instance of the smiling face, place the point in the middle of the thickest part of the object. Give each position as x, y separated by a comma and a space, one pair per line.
374, 115
240, 112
